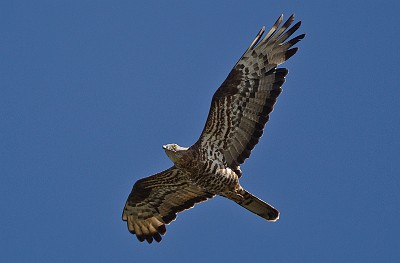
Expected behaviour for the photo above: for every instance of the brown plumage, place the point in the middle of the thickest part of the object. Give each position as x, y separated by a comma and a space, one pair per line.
239, 110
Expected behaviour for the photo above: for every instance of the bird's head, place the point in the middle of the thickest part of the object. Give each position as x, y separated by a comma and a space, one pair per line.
174, 152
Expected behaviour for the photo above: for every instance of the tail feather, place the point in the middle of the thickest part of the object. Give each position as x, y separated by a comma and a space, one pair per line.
258, 206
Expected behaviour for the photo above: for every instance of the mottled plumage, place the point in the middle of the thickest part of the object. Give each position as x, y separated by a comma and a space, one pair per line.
239, 110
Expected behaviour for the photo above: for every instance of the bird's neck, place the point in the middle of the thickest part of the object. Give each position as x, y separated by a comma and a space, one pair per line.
179, 157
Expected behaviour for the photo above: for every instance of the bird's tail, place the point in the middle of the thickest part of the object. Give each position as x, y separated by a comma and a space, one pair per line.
258, 206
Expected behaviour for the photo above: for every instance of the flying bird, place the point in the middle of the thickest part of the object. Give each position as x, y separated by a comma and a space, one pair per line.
239, 110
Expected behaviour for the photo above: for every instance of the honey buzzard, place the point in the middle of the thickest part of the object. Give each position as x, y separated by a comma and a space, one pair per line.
239, 110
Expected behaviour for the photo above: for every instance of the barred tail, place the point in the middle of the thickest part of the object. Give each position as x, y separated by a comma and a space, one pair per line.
258, 206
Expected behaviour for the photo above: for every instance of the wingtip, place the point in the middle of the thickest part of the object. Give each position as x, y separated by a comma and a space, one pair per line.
291, 17
291, 52
261, 32
256, 39
162, 230
279, 20
157, 237
296, 26
140, 238
124, 216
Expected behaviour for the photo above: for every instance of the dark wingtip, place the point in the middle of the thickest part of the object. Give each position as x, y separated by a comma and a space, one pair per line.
291, 18
157, 237
162, 229
149, 239
296, 26
281, 73
168, 218
295, 40
291, 52
279, 20
300, 37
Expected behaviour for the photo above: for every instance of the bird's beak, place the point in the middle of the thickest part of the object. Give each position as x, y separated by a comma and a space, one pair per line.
164, 147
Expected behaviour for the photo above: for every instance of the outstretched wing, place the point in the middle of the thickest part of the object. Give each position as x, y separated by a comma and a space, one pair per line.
240, 108
156, 200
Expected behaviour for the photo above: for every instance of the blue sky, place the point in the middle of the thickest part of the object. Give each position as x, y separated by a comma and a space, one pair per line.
91, 90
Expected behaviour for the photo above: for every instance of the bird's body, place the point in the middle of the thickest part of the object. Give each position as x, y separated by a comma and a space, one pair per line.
239, 111
211, 174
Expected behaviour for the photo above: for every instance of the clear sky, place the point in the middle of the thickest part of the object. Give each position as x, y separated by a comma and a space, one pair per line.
91, 90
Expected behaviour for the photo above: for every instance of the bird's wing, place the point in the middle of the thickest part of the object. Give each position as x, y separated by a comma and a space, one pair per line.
241, 106
156, 200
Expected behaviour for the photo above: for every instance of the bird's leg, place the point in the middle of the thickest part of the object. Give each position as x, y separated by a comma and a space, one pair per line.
239, 192
236, 194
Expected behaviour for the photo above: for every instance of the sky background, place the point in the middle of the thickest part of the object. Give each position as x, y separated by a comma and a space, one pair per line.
91, 90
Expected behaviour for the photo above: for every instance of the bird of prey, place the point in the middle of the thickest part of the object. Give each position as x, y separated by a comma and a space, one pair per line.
239, 110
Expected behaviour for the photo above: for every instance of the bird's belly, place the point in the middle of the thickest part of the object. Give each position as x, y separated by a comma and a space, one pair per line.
216, 178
